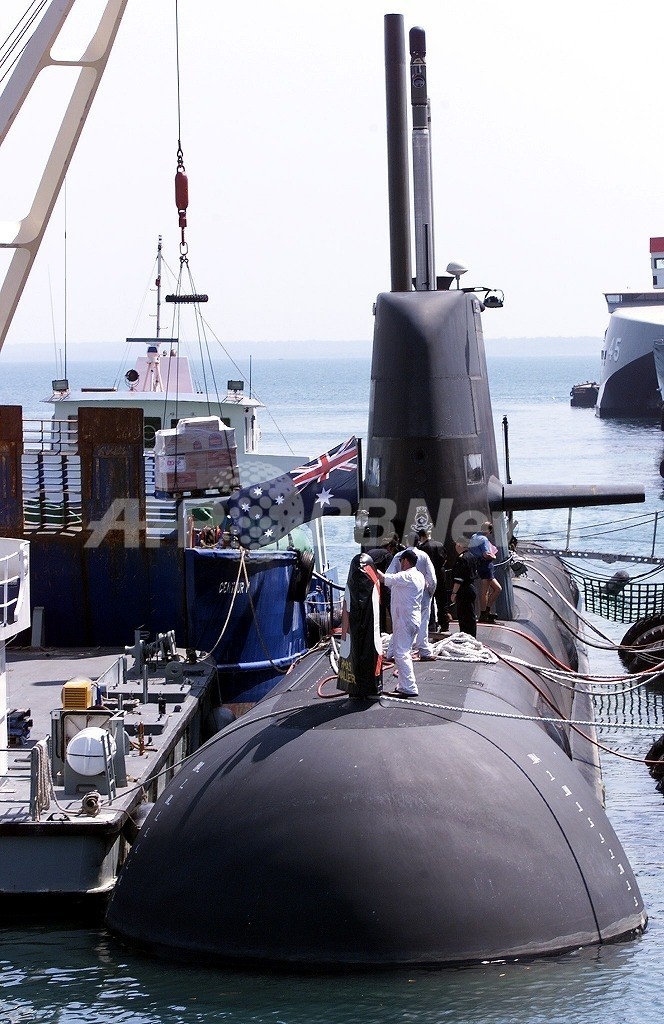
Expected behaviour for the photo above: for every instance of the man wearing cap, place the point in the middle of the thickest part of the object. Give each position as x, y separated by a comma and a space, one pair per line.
406, 590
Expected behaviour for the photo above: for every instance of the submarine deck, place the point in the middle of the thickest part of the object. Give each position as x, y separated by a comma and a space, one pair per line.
508, 682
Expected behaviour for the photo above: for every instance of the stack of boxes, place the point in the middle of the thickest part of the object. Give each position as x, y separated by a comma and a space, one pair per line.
199, 455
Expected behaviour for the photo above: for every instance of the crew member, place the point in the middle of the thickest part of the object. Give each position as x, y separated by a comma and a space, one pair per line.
440, 605
484, 551
406, 588
425, 566
464, 594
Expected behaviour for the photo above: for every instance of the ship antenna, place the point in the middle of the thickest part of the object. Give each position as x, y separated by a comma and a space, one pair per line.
397, 153
158, 286
425, 274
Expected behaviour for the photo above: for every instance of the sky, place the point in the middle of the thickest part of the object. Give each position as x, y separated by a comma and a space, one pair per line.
547, 162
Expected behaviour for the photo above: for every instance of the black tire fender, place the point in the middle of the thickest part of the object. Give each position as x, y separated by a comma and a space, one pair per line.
634, 633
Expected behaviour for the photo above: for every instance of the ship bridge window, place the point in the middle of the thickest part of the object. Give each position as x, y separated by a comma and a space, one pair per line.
151, 424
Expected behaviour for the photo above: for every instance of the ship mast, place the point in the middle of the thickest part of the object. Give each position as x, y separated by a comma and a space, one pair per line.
158, 284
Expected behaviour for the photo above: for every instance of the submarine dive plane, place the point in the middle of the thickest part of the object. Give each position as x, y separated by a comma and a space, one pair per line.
369, 831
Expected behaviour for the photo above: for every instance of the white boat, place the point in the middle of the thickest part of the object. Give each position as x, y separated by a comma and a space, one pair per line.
161, 384
628, 379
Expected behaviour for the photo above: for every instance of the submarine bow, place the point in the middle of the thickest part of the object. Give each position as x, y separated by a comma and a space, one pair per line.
372, 834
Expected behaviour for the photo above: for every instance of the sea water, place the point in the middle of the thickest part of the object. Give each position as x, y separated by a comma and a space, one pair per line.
69, 973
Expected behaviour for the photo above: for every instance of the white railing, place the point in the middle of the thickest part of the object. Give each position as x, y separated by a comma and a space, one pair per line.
14, 587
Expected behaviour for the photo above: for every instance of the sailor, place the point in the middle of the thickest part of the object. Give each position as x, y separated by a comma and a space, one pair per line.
425, 566
436, 552
482, 549
406, 589
464, 594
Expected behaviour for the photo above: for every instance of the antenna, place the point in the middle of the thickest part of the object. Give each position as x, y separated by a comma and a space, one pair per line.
425, 274
457, 269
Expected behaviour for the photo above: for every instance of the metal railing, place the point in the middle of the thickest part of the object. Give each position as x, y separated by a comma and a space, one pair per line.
604, 539
14, 587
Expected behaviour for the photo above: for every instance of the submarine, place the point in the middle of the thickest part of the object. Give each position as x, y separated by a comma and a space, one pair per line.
335, 828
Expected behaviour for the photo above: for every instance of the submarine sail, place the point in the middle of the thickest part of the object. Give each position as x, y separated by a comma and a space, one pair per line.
461, 826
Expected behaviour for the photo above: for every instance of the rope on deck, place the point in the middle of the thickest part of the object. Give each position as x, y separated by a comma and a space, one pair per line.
41, 779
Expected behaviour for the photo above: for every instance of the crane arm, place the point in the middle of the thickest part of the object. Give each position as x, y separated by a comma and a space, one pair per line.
25, 236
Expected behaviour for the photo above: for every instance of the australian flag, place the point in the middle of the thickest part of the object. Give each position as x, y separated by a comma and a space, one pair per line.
265, 512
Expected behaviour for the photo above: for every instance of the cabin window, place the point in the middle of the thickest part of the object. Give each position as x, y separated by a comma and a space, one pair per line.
151, 424
658, 263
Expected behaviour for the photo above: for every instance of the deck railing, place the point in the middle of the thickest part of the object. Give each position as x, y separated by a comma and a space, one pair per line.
14, 587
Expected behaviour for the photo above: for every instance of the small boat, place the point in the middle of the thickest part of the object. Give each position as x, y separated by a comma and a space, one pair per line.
92, 739
161, 383
584, 396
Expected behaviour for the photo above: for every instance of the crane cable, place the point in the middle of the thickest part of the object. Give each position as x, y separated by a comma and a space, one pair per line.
181, 180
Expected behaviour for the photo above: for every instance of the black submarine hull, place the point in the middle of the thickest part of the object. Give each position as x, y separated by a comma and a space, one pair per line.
342, 833
466, 825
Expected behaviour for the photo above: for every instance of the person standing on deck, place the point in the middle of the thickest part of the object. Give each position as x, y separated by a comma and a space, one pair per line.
484, 551
440, 605
406, 590
425, 566
464, 594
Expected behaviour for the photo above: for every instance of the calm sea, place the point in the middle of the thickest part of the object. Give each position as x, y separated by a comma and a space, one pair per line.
79, 974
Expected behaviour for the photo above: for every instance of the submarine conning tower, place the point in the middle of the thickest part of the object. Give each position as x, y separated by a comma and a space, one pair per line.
431, 449
431, 445
431, 439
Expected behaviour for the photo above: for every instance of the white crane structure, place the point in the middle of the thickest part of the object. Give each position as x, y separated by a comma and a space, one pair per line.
25, 236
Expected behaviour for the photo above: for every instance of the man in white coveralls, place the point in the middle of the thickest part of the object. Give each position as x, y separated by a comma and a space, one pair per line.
425, 566
406, 589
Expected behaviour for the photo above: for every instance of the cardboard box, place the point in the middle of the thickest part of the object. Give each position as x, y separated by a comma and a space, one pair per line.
192, 472
195, 435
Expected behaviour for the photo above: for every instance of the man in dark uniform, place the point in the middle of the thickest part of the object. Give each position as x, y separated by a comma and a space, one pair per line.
436, 552
463, 591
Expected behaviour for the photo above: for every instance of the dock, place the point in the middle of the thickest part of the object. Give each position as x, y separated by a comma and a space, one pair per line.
66, 822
